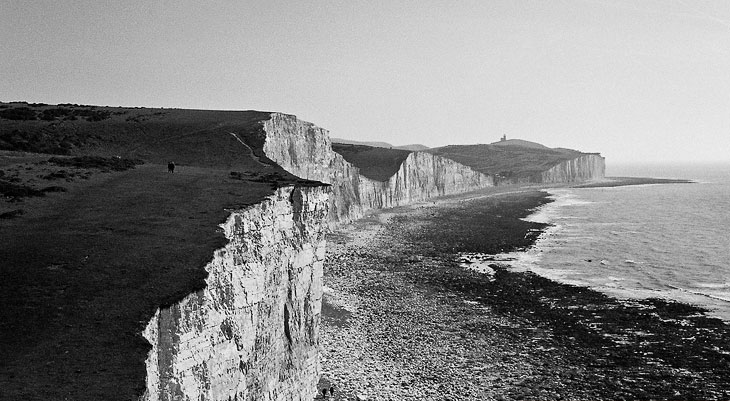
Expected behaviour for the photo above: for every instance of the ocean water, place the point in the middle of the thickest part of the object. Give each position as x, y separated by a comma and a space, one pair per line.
668, 241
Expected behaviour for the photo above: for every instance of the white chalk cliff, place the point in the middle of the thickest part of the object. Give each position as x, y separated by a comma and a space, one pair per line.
253, 332
584, 167
306, 151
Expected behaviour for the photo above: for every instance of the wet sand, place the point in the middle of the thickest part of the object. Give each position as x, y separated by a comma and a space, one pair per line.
403, 321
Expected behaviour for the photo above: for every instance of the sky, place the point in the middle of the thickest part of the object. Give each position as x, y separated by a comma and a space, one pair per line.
636, 80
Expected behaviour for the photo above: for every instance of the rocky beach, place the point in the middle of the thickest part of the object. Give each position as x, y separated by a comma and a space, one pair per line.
402, 319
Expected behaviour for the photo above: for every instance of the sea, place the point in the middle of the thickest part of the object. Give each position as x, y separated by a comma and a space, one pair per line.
668, 241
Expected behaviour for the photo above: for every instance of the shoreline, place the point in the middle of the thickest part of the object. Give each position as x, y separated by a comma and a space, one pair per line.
609, 182
401, 318
531, 259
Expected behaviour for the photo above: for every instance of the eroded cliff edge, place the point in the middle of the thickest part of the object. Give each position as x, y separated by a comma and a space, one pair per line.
589, 166
518, 164
250, 329
252, 332
305, 150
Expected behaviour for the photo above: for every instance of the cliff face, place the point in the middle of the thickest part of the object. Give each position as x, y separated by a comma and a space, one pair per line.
305, 151
583, 168
421, 176
523, 162
252, 332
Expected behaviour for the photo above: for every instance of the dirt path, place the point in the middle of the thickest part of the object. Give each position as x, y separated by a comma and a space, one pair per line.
251, 153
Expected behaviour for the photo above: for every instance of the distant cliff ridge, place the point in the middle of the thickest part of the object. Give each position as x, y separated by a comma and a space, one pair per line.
306, 151
521, 162
412, 147
231, 313
584, 167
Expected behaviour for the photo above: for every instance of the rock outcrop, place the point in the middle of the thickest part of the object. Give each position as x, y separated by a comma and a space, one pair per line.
421, 176
306, 151
252, 332
588, 166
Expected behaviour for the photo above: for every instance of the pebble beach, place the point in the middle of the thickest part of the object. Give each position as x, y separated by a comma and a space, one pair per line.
403, 319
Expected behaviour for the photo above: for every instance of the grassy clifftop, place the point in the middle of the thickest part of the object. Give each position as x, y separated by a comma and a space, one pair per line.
195, 137
96, 234
509, 162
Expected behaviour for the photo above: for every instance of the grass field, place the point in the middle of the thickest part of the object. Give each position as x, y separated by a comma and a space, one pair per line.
84, 269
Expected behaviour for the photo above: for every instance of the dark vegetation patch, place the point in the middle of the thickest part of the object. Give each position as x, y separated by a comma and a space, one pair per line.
25, 113
375, 163
202, 138
12, 190
104, 164
18, 113
507, 164
276, 178
11, 214
54, 188
16, 191
52, 140
59, 175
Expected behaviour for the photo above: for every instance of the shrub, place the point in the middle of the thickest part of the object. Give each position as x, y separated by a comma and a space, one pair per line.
18, 113
54, 188
18, 191
52, 114
12, 213
98, 162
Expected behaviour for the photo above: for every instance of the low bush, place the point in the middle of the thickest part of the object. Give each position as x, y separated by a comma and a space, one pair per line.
54, 188
97, 162
18, 113
12, 213
11, 190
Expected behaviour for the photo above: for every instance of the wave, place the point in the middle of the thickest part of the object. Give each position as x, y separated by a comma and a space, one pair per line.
652, 241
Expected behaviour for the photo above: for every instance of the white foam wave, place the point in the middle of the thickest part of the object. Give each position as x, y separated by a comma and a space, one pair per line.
561, 198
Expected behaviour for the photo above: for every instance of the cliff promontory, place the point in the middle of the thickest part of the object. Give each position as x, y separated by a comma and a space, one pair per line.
121, 280
306, 151
252, 332
517, 162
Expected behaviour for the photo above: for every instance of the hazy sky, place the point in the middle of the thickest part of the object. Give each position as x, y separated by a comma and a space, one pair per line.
631, 79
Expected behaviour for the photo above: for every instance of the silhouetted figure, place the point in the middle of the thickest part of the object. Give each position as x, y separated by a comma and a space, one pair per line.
324, 393
171, 167
332, 390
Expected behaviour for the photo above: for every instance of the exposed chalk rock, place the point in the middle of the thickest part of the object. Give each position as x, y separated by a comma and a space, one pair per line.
252, 333
583, 168
306, 151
